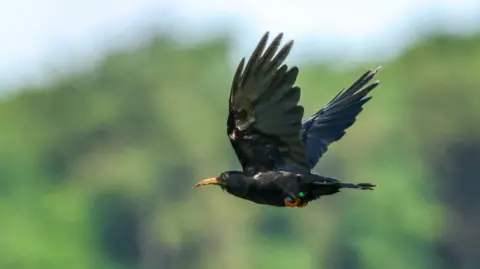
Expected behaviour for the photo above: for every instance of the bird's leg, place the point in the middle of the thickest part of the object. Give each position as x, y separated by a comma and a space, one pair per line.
292, 202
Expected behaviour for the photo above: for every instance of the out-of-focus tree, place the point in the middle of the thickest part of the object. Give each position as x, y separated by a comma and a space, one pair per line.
96, 168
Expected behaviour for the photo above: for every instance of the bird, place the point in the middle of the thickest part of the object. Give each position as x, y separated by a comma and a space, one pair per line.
276, 149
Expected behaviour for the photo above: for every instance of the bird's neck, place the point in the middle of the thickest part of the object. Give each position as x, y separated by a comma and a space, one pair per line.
244, 186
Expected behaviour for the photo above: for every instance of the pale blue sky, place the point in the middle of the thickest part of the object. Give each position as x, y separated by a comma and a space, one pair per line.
38, 35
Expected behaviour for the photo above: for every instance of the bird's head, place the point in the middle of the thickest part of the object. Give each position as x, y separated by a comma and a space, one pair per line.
229, 181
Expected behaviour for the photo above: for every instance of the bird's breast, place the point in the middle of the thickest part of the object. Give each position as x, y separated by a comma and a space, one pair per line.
268, 194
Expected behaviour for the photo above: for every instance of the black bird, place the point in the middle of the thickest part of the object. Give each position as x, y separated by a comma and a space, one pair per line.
276, 150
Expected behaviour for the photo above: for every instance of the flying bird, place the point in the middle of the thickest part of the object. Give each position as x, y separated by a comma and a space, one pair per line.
276, 150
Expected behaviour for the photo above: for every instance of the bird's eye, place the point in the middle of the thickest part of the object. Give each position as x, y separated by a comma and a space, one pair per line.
290, 199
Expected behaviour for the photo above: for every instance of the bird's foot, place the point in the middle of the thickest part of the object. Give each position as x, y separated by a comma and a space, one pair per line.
292, 202
295, 202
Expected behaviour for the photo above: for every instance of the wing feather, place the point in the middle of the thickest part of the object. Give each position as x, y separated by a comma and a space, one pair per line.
329, 124
264, 118
264, 122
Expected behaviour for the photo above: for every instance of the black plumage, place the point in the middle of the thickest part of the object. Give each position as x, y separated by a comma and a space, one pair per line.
276, 149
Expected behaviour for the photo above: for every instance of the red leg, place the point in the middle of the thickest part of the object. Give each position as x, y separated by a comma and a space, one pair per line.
294, 203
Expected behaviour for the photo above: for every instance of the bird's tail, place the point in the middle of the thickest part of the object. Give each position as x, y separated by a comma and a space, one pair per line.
328, 181
327, 186
361, 186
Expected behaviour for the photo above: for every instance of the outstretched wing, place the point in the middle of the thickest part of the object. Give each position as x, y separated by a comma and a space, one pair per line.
330, 123
264, 117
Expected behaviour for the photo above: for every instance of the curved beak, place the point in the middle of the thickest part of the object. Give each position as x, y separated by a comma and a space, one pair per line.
207, 181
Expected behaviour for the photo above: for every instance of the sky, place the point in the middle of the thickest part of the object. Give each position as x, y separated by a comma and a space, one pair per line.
39, 36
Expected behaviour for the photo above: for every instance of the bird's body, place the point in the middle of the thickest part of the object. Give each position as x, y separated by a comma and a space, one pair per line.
272, 187
276, 149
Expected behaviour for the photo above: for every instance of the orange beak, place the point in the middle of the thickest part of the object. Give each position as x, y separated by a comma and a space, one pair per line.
208, 181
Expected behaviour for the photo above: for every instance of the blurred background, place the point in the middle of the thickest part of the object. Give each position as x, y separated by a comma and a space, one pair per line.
112, 110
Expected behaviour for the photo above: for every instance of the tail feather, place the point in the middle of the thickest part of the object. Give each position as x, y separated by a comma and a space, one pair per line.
334, 182
361, 186
327, 186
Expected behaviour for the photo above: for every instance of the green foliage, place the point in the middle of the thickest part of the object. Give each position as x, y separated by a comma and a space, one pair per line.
97, 168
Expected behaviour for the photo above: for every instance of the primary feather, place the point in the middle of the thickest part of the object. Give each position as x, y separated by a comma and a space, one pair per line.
264, 116
330, 123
